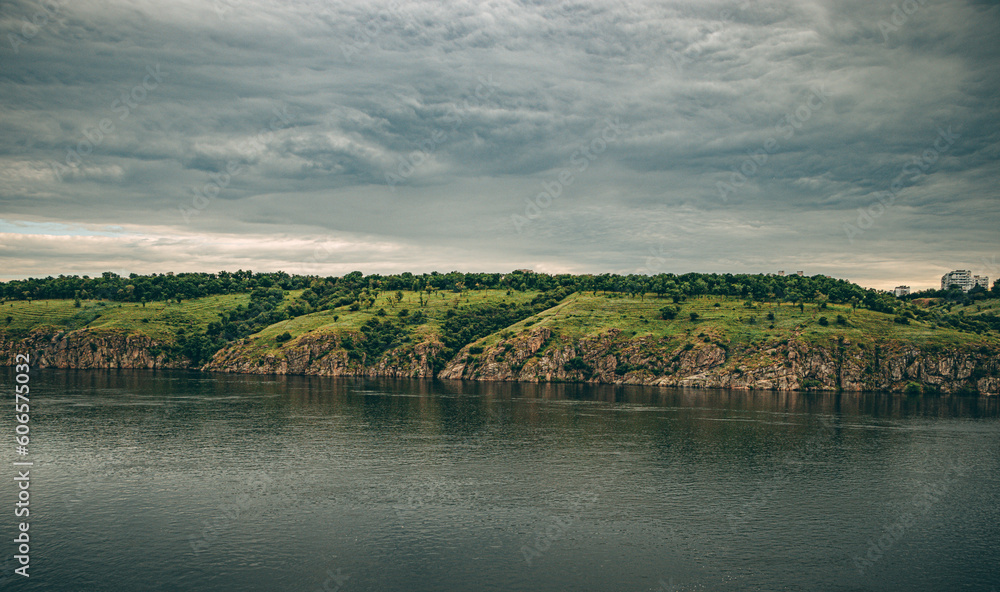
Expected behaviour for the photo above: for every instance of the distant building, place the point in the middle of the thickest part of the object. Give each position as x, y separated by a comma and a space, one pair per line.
964, 279
525, 270
901, 291
782, 272
798, 273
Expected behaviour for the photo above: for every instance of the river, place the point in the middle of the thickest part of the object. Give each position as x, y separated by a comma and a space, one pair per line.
147, 481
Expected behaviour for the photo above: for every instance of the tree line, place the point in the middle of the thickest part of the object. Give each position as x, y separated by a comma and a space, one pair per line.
332, 291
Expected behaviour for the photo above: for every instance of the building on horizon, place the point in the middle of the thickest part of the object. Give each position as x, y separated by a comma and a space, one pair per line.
799, 272
964, 279
901, 291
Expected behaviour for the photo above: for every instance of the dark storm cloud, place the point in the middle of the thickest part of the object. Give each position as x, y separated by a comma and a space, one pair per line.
754, 136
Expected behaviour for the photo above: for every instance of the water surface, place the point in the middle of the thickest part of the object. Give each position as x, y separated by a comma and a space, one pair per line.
185, 481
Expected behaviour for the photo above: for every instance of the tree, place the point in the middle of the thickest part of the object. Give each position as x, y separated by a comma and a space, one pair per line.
694, 316
669, 312
823, 321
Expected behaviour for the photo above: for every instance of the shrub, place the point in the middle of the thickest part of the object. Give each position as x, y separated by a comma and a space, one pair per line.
475, 350
912, 389
770, 316
283, 337
578, 363
823, 321
841, 320
669, 312
694, 316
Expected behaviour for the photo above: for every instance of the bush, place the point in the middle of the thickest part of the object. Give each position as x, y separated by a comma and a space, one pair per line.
900, 320
694, 316
770, 316
578, 363
841, 320
669, 312
475, 350
913, 389
823, 321
283, 337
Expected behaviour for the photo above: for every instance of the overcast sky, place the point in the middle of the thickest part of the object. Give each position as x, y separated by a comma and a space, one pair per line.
850, 138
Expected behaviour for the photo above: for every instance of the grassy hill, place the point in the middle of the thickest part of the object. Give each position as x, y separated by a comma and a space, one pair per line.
719, 330
723, 320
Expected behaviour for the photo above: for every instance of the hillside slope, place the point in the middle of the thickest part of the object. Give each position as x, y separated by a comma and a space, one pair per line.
530, 336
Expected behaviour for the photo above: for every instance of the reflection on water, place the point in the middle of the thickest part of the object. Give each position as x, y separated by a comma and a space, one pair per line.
185, 481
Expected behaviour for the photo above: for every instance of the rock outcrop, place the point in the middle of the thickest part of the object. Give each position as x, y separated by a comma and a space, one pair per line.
611, 357
89, 349
323, 355
537, 355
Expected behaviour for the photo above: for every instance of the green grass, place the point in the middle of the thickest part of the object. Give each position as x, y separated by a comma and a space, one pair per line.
341, 320
981, 307
583, 314
157, 319
722, 320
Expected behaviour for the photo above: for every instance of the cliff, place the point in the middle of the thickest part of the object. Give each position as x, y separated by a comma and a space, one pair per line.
324, 355
536, 355
88, 349
790, 365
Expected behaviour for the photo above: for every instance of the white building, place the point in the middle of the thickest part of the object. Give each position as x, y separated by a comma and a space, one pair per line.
964, 279
901, 291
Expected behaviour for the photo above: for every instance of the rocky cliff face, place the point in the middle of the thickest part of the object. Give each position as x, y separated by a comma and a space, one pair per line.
87, 349
793, 365
323, 355
537, 356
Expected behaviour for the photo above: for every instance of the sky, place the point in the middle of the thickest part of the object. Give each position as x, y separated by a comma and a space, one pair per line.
851, 138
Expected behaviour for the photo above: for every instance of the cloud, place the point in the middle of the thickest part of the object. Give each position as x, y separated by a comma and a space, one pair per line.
426, 125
